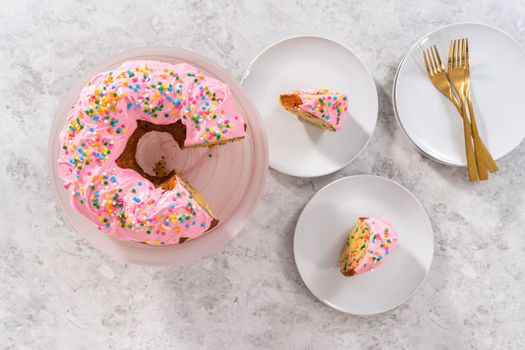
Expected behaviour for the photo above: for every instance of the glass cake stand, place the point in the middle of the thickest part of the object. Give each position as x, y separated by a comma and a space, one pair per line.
230, 177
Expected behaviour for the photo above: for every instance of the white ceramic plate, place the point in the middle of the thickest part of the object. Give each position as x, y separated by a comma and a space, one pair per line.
497, 76
320, 235
309, 63
231, 180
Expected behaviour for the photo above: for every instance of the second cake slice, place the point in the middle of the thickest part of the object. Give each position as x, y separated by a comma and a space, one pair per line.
322, 108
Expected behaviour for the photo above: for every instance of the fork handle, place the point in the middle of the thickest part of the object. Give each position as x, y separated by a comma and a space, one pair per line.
471, 155
481, 150
480, 158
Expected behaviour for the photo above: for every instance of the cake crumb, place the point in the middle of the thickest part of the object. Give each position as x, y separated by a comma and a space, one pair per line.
160, 168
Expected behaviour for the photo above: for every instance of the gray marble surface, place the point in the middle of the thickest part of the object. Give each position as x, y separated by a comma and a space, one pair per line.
58, 292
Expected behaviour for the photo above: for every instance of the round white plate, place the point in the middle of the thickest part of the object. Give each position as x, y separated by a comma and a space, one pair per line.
320, 235
497, 76
231, 180
310, 63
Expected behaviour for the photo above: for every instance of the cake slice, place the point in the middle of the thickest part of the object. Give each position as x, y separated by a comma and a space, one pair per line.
321, 108
368, 243
172, 182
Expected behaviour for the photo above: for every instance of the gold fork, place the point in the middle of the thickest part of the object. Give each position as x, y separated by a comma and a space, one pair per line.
459, 76
438, 77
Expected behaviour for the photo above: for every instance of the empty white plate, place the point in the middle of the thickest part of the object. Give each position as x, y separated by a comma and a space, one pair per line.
321, 232
311, 63
497, 76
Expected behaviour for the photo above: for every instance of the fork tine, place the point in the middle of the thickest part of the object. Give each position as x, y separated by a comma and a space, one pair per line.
463, 54
450, 55
427, 66
434, 60
459, 53
430, 62
467, 59
441, 68
455, 55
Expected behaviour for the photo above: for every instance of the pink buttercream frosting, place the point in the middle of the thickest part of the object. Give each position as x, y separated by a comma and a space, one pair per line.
382, 239
120, 201
329, 106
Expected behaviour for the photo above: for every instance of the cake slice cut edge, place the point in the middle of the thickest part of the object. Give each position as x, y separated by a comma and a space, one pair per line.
170, 184
367, 245
355, 247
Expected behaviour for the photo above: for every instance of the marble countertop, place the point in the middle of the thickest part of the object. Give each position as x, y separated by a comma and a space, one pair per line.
58, 292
